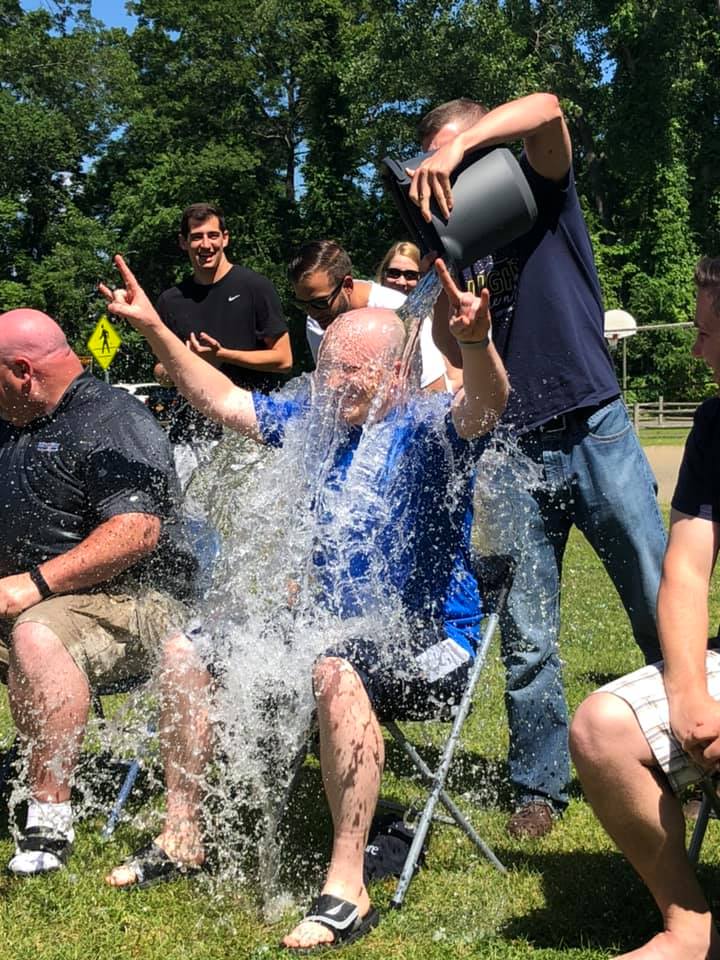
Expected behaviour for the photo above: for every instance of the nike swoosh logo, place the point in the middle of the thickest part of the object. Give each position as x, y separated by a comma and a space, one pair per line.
230, 299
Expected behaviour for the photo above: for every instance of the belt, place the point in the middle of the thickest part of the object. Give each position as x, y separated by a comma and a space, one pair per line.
573, 418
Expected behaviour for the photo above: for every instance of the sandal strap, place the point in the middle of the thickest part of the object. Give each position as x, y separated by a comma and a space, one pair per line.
339, 916
43, 840
151, 863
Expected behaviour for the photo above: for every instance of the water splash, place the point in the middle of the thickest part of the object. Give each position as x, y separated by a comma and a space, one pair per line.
418, 306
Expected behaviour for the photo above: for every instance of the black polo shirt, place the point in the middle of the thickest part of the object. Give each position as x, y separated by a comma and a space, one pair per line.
99, 454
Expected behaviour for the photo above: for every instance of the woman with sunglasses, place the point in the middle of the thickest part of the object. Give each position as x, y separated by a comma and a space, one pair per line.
400, 267
400, 270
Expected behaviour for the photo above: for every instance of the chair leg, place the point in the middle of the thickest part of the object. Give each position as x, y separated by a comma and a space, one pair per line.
426, 817
127, 785
437, 779
710, 802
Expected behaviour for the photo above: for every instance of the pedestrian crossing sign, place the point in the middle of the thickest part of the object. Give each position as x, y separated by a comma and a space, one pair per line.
104, 342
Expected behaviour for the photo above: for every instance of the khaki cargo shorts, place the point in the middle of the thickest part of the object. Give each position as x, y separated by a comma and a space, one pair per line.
111, 637
644, 692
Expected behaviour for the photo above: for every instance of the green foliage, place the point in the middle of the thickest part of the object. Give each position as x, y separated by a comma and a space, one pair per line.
281, 112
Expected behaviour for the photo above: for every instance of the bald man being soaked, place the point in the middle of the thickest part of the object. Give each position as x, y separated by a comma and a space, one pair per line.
415, 548
87, 523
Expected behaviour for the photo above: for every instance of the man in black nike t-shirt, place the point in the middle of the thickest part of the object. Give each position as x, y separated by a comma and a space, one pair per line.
228, 314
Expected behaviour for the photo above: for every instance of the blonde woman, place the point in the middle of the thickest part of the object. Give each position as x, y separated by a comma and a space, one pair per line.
400, 269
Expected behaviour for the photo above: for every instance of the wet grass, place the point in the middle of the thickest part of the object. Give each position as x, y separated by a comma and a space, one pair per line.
570, 895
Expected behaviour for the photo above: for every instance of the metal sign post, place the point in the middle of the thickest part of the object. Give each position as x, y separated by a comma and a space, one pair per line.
619, 325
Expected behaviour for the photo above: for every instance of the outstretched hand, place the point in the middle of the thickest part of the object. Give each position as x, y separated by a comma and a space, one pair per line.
469, 315
130, 302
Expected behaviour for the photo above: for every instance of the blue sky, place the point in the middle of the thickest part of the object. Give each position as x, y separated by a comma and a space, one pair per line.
112, 12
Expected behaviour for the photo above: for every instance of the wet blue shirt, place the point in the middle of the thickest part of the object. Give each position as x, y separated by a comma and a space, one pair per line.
405, 524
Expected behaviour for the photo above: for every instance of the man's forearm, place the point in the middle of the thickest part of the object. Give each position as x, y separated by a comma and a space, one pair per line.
485, 391
111, 548
514, 120
271, 360
207, 389
683, 632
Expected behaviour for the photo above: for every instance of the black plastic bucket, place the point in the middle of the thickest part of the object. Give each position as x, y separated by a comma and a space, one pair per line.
492, 205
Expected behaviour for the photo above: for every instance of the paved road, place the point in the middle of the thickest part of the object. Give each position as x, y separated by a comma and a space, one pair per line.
665, 462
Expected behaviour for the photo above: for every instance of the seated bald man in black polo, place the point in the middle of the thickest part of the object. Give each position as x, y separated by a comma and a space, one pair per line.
93, 561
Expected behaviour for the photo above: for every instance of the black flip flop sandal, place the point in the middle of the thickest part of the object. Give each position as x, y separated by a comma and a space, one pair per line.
152, 865
342, 918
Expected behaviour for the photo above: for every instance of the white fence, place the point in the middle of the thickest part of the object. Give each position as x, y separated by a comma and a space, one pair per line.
663, 413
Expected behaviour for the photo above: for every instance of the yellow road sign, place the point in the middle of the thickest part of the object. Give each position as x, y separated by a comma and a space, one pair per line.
104, 342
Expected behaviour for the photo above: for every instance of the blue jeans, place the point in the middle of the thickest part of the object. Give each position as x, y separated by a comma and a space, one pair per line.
592, 473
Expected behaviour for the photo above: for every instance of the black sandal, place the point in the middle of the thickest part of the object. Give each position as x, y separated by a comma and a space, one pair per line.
152, 865
340, 917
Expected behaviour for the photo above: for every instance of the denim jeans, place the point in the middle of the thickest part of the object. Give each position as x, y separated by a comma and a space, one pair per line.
530, 491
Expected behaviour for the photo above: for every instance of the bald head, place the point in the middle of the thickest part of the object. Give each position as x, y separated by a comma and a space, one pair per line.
31, 334
36, 365
357, 371
364, 335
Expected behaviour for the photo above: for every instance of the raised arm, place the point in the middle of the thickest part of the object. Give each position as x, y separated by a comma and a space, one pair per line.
479, 404
536, 119
683, 630
205, 387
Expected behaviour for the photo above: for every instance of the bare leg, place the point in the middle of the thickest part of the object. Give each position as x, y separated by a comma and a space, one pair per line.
49, 701
185, 745
641, 814
352, 755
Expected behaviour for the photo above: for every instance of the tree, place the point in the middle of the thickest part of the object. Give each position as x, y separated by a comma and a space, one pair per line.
57, 68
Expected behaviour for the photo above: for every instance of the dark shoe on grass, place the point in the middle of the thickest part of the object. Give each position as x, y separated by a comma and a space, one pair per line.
691, 807
531, 820
151, 865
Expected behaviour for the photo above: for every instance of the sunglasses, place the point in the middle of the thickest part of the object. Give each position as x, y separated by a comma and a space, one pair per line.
394, 273
322, 303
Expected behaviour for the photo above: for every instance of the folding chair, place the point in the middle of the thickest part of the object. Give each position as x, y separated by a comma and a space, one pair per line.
710, 804
495, 576
206, 545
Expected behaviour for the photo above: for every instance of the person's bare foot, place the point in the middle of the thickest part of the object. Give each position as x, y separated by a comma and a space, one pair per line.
185, 851
704, 945
308, 933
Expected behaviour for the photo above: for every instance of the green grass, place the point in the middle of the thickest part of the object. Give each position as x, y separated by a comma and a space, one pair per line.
663, 436
570, 895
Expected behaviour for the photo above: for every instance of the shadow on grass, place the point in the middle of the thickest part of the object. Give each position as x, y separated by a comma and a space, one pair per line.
591, 900
596, 679
470, 772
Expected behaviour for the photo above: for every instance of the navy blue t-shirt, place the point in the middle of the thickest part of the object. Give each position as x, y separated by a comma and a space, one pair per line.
412, 534
698, 487
547, 310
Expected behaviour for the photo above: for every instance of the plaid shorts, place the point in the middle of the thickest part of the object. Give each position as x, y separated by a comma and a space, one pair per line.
644, 692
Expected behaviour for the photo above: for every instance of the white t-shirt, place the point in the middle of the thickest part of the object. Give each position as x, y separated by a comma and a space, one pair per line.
433, 364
